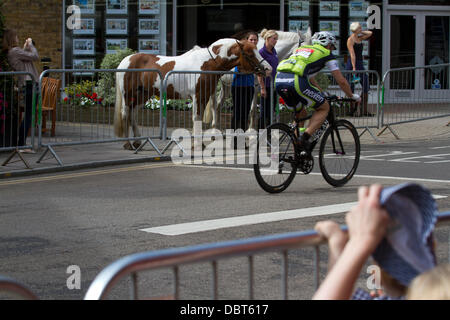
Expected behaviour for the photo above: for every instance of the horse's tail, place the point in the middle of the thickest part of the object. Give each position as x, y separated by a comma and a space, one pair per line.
207, 116
119, 120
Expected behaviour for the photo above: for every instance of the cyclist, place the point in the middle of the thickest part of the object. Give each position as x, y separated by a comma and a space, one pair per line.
296, 84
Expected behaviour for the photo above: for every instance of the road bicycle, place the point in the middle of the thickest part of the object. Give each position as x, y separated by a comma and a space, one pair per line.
279, 155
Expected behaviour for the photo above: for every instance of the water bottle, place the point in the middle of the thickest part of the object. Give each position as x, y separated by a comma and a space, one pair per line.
316, 135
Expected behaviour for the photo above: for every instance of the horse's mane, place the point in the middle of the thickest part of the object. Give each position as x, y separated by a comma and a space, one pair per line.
194, 48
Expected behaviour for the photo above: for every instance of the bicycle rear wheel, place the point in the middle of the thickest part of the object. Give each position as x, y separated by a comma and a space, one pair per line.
339, 153
275, 161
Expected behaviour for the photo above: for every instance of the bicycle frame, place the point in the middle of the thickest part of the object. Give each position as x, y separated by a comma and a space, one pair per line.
331, 118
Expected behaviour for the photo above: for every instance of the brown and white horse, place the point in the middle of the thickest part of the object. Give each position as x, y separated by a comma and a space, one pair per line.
133, 89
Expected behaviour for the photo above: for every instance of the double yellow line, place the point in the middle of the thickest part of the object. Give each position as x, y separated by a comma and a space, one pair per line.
84, 174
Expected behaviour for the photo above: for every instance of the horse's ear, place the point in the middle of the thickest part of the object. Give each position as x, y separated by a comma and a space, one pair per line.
216, 49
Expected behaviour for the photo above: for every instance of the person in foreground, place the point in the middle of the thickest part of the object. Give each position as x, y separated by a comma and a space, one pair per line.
393, 225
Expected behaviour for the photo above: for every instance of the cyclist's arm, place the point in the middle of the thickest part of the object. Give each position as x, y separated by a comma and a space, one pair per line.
333, 66
342, 82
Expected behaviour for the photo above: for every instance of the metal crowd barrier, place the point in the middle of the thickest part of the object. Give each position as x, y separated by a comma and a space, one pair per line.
415, 94
86, 108
215, 105
368, 87
174, 258
13, 114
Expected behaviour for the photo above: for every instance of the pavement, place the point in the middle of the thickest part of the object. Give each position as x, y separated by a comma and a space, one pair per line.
76, 157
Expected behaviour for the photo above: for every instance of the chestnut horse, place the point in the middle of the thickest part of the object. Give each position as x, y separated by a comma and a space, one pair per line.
286, 44
133, 89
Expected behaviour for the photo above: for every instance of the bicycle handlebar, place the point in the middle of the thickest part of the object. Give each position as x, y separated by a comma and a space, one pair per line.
335, 98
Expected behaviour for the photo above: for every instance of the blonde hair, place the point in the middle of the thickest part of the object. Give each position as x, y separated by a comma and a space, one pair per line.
354, 26
266, 34
431, 285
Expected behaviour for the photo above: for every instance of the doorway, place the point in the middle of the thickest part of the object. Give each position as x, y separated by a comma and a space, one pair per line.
416, 39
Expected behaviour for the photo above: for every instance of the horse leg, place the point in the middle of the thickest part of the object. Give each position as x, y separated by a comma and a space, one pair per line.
136, 132
131, 122
253, 120
197, 126
127, 145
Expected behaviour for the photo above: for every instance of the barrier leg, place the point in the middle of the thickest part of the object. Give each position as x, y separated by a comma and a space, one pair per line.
49, 148
390, 129
16, 151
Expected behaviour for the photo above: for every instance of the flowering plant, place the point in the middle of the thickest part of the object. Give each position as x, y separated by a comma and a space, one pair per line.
172, 104
82, 94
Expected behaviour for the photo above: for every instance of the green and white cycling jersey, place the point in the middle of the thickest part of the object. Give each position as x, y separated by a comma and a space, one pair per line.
308, 60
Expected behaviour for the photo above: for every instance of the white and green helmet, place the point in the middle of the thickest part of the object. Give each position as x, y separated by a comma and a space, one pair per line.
324, 38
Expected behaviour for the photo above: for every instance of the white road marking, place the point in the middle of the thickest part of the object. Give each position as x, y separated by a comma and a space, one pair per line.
215, 224
442, 161
319, 174
208, 225
444, 147
400, 178
390, 154
432, 156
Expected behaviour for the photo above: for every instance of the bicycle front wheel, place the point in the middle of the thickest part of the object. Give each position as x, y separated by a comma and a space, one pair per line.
339, 153
275, 161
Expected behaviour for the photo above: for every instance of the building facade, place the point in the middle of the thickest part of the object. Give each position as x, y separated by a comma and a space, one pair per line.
78, 33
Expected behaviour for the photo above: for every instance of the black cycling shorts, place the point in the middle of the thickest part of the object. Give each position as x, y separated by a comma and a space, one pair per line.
297, 92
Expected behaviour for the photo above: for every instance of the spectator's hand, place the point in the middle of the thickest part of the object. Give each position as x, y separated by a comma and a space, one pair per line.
328, 229
337, 239
367, 222
268, 73
28, 43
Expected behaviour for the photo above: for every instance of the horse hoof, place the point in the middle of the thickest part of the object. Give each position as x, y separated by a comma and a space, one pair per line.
127, 146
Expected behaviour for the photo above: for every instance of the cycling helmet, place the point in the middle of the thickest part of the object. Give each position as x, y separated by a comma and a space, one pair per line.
324, 38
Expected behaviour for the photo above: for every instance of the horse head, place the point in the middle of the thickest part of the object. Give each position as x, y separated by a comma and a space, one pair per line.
250, 60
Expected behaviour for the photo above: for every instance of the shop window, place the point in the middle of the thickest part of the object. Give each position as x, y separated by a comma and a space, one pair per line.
110, 25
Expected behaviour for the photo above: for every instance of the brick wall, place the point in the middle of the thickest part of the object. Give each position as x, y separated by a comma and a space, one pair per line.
39, 20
